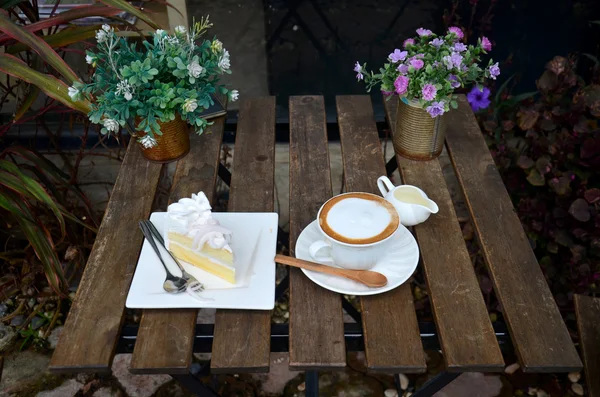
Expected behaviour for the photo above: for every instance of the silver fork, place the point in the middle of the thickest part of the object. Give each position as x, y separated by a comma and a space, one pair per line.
193, 285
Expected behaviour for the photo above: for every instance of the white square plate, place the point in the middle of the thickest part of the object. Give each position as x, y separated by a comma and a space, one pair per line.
254, 239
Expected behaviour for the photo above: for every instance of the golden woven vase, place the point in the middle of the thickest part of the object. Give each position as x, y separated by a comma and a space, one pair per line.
418, 136
172, 145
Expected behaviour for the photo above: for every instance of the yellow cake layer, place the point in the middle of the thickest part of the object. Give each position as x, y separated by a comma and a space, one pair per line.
203, 262
219, 254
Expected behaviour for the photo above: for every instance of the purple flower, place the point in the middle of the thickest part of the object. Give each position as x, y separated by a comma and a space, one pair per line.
358, 70
486, 44
424, 32
397, 56
436, 109
437, 43
401, 85
454, 81
457, 31
453, 61
408, 42
435, 64
494, 71
386, 93
429, 91
479, 99
416, 63
403, 68
459, 47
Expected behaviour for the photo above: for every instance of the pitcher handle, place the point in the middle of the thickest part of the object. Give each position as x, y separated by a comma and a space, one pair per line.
385, 185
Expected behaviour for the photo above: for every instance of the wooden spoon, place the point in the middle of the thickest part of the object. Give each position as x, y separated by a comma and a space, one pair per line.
366, 277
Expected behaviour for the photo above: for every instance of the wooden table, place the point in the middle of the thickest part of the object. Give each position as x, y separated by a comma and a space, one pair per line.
317, 339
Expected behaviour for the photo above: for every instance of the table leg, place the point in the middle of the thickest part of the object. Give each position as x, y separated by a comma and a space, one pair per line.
195, 385
435, 384
312, 384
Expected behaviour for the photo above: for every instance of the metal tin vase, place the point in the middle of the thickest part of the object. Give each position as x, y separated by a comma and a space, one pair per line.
172, 145
418, 136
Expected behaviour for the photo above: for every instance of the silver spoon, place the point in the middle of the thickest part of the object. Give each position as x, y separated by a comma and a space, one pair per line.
172, 284
193, 284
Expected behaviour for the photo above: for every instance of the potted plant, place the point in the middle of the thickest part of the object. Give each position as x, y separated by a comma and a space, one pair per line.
161, 86
424, 74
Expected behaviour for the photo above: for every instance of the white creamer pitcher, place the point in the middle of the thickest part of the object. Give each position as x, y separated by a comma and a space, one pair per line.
412, 203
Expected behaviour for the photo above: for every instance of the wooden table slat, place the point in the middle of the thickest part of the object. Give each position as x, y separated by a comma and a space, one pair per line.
242, 338
466, 334
166, 337
91, 332
392, 339
316, 318
588, 323
539, 334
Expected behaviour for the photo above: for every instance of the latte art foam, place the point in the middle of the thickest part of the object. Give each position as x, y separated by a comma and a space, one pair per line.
358, 218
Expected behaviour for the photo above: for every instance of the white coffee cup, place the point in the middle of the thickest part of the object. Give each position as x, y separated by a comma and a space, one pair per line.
356, 229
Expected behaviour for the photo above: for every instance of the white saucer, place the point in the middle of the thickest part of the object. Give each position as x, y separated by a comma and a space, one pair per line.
397, 265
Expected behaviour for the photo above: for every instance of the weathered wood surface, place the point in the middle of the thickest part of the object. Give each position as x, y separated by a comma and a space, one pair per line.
466, 334
166, 337
538, 332
392, 339
588, 323
242, 338
91, 332
316, 321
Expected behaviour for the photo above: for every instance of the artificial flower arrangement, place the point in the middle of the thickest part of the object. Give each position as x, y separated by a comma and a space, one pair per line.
169, 76
427, 70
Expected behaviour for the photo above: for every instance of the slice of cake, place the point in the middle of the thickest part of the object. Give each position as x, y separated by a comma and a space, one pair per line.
197, 238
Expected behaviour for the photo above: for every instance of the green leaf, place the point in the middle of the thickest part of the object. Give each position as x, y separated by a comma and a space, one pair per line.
454, 104
580, 210
39, 238
51, 86
40, 46
522, 97
593, 58
29, 188
6, 4
125, 6
535, 178
502, 88
64, 17
61, 39
34, 92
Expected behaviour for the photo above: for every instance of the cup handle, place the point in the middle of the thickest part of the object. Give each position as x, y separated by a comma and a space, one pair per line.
385, 185
317, 246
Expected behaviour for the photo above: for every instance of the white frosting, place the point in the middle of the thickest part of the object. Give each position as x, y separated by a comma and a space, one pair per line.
193, 217
357, 218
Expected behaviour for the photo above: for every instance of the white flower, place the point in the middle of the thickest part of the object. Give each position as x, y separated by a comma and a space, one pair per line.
147, 141
101, 36
234, 95
194, 69
159, 32
111, 125
172, 40
224, 61
180, 29
89, 60
73, 93
123, 87
106, 27
190, 105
